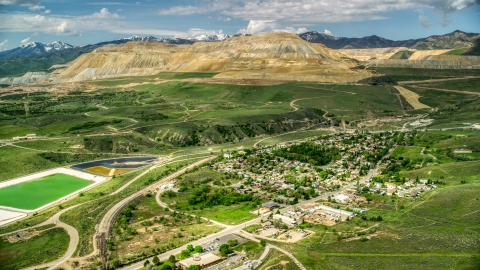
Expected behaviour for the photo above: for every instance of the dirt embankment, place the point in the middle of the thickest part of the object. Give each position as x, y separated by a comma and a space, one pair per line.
411, 98
267, 57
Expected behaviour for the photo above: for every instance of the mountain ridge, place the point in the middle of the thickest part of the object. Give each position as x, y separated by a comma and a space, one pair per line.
454, 40
267, 56
34, 47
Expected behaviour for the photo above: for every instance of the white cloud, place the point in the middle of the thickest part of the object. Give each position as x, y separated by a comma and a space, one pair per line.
32, 5
36, 7
195, 32
328, 32
207, 7
3, 45
257, 26
47, 11
225, 19
312, 12
105, 3
144, 31
103, 14
25, 41
59, 25
182, 10
19, 2
424, 21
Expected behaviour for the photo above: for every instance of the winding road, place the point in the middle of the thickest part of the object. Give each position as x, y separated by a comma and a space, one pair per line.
106, 222
237, 229
72, 233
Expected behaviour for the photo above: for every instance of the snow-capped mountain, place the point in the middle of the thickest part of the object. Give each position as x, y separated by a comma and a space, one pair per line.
33, 48
57, 46
313, 36
138, 39
154, 39
215, 37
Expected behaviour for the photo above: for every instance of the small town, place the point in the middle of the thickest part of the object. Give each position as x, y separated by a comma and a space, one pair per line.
268, 174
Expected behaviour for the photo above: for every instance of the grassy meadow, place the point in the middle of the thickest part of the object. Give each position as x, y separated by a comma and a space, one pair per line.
47, 246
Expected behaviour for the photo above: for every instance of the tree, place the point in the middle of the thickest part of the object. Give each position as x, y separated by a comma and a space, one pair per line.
185, 253
147, 262
232, 243
198, 249
190, 248
172, 259
166, 266
263, 243
193, 267
224, 249
156, 260
116, 263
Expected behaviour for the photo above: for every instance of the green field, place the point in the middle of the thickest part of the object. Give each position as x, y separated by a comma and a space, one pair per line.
278, 260
33, 194
228, 214
411, 152
411, 74
470, 85
439, 229
49, 245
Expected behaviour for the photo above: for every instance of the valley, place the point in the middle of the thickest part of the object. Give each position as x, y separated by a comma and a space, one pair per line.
262, 151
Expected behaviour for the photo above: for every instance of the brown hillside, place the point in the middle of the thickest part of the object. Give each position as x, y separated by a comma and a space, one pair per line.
280, 56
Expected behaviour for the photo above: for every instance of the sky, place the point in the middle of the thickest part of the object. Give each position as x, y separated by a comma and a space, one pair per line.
82, 22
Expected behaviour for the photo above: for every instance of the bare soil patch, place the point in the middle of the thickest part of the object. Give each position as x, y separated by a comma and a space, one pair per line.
235, 81
411, 98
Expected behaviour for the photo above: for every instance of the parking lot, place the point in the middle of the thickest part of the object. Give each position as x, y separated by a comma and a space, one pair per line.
233, 259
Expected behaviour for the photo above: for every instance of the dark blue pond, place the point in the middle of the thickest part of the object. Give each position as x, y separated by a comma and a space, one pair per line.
116, 163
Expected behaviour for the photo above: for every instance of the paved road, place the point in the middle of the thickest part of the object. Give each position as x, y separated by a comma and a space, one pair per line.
106, 221
267, 250
72, 245
164, 256
238, 228
109, 218
164, 205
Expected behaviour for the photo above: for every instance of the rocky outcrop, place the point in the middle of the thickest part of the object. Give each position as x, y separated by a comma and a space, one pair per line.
432, 62
281, 56
29, 77
370, 54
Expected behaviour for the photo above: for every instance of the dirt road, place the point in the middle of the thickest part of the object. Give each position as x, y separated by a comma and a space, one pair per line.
411, 97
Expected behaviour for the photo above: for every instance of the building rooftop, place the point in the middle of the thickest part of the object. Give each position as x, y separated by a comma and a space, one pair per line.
205, 259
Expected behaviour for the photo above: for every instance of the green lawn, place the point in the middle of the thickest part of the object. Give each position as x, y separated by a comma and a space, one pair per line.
408, 74
46, 247
455, 171
276, 139
33, 194
230, 215
411, 152
470, 85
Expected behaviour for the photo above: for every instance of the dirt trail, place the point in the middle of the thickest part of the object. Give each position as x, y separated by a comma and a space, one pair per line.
339, 91
411, 98
447, 90
292, 104
438, 80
